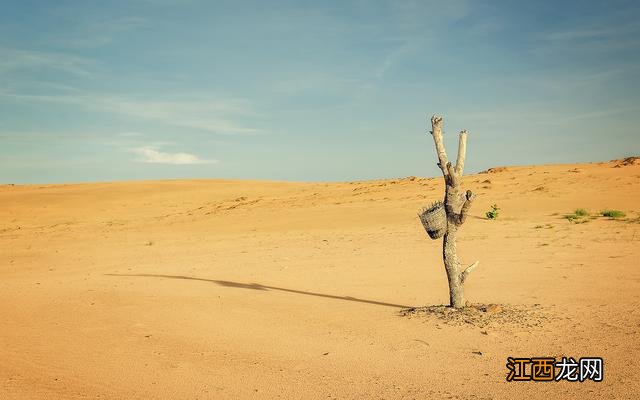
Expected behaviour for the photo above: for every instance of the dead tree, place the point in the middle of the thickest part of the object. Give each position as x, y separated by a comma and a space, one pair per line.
444, 218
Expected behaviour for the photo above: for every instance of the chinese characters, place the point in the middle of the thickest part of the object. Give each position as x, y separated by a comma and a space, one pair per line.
548, 369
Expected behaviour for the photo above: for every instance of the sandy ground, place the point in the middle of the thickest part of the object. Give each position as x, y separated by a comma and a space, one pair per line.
215, 289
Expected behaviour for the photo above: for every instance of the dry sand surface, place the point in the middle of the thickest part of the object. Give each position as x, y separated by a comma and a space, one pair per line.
219, 289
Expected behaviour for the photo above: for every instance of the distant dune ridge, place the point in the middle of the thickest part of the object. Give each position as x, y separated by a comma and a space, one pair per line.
625, 162
217, 288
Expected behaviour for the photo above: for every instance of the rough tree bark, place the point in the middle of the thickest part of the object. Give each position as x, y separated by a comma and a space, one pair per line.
456, 205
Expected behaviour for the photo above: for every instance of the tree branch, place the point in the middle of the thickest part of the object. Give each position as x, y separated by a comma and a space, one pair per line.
462, 152
466, 205
436, 132
465, 274
462, 216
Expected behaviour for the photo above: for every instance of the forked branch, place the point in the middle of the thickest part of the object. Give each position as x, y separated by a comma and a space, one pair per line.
453, 177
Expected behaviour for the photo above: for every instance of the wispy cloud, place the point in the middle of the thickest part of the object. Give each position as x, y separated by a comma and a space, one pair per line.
44, 136
96, 32
579, 33
414, 14
129, 134
418, 26
217, 116
544, 116
16, 59
151, 155
212, 115
601, 39
392, 58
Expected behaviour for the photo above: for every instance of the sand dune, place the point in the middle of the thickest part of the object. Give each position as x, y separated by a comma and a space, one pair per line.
215, 289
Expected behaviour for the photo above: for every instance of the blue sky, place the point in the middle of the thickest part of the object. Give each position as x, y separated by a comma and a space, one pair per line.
310, 91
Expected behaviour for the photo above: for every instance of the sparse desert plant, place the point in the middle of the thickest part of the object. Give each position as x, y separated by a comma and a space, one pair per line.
494, 212
613, 214
444, 218
581, 212
578, 216
571, 217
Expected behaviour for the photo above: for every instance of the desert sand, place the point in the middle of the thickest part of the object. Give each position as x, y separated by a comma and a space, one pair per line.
224, 289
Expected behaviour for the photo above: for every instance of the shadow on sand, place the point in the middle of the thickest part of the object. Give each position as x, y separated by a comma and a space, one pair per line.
257, 286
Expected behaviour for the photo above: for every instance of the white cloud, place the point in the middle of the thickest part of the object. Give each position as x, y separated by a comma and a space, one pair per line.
97, 32
153, 156
17, 60
213, 115
208, 115
39, 136
130, 134
392, 58
607, 32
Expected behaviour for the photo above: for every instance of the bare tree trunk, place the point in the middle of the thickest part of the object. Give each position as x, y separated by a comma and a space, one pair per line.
456, 206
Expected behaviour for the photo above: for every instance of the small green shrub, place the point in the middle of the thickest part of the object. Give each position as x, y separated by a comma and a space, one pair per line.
577, 216
493, 213
581, 212
613, 214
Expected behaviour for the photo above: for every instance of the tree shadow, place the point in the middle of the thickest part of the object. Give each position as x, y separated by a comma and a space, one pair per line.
257, 286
